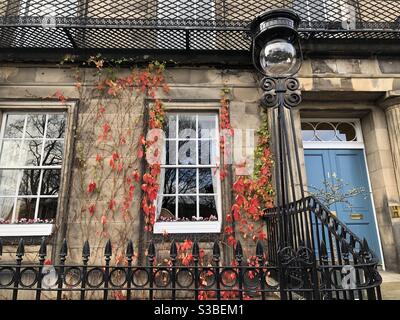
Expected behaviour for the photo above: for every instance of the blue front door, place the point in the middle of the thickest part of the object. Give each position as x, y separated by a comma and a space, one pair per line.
348, 165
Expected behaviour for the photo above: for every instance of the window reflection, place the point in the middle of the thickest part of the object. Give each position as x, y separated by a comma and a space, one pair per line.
325, 131
25, 208
169, 181
187, 207
50, 182
208, 207
55, 126
187, 181
307, 131
189, 191
187, 152
346, 132
187, 126
170, 126
53, 153
207, 127
47, 208
31, 152
170, 152
207, 152
35, 126
206, 181
29, 183
32, 147
168, 204
14, 126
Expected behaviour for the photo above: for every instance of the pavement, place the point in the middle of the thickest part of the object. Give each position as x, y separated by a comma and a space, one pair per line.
390, 287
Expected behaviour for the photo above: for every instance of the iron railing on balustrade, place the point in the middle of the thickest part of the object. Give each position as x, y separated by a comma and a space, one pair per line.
182, 24
339, 258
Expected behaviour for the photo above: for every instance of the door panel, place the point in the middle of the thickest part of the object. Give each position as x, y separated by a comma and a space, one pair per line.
348, 165
318, 169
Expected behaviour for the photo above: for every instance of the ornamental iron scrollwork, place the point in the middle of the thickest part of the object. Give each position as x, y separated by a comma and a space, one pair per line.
280, 90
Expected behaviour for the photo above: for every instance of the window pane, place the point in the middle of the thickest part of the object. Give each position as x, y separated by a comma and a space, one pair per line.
187, 207
35, 126
206, 126
170, 152
29, 182
208, 208
170, 126
8, 182
167, 208
187, 181
10, 153
187, 152
207, 181
14, 126
325, 131
169, 181
55, 126
307, 131
53, 151
31, 152
51, 182
6, 208
26, 208
187, 126
346, 132
47, 208
207, 152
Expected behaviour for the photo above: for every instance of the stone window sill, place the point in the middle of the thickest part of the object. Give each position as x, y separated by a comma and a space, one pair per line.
187, 227
26, 230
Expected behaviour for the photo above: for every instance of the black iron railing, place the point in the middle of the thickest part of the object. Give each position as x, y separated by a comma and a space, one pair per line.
181, 24
296, 275
335, 250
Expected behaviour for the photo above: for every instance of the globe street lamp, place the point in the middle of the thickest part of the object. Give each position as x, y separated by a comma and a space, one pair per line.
276, 54
298, 228
276, 49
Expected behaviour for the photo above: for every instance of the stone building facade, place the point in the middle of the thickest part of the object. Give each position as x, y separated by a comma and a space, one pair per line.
347, 126
357, 89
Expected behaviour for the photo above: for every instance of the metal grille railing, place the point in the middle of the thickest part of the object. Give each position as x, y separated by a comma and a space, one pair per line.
182, 24
335, 248
295, 275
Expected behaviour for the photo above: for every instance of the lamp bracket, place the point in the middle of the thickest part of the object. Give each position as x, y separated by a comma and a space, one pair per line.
276, 90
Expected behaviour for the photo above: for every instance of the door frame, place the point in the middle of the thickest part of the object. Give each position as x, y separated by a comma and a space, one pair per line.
359, 144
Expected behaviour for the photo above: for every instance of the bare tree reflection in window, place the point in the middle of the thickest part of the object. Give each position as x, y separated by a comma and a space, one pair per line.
30, 132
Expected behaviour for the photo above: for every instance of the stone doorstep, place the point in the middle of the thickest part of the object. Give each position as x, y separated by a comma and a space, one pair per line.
390, 287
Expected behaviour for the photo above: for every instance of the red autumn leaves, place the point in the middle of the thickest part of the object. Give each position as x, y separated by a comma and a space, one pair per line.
91, 187
246, 211
150, 82
252, 195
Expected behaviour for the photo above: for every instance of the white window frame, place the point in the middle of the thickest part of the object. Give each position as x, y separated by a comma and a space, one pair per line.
359, 144
186, 227
69, 108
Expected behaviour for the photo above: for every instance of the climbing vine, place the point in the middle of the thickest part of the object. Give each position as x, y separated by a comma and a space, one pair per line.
252, 194
110, 147
110, 178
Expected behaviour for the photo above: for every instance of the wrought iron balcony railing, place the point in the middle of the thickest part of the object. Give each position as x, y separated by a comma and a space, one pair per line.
182, 24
